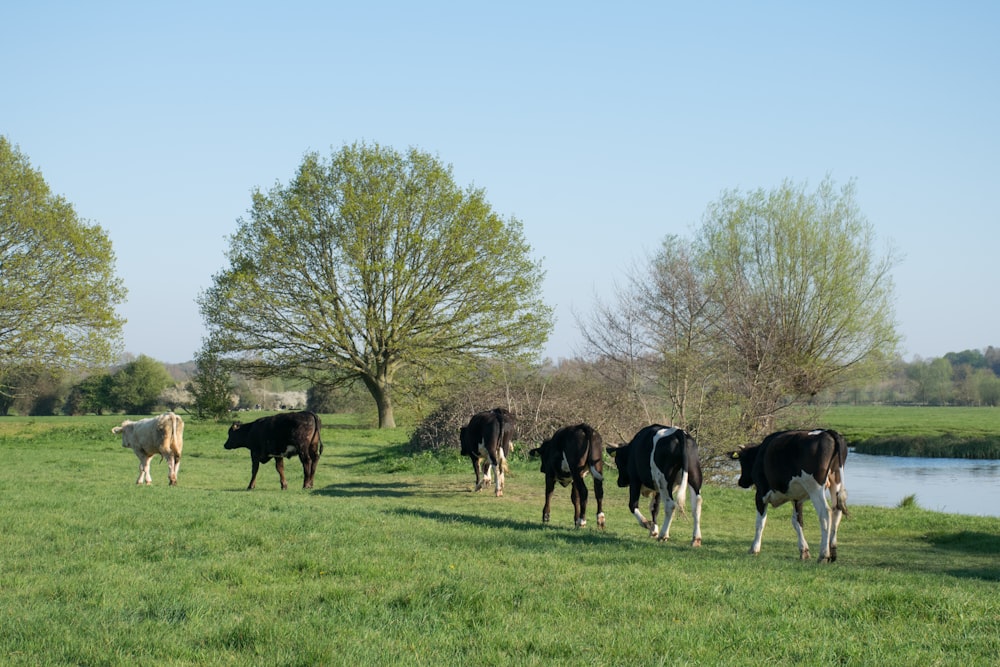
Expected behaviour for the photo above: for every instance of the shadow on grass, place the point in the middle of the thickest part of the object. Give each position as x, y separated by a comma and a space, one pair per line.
369, 490
970, 544
586, 535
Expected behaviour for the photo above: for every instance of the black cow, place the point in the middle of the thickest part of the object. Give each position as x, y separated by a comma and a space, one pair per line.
795, 465
566, 457
486, 440
660, 461
279, 437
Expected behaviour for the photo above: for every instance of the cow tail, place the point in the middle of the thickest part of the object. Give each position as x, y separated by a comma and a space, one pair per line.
838, 462
319, 439
592, 462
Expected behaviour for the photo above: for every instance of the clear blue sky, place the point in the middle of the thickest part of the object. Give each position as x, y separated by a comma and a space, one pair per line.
602, 126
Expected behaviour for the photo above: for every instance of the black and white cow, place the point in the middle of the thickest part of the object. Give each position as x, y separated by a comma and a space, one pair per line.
660, 461
566, 457
486, 440
793, 466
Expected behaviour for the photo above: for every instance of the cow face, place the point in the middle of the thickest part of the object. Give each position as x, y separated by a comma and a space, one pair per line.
234, 441
746, 456
620, 454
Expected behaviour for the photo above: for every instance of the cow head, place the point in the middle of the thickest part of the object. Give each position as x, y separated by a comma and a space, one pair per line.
234, 442
620, 454
121, 430
549, 455
746, 456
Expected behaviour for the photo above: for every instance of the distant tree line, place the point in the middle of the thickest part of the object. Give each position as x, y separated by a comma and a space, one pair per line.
967, 378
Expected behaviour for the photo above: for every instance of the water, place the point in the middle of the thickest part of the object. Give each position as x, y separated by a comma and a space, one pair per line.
957, 486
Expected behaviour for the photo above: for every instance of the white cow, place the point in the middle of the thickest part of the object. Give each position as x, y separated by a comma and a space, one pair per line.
163, 435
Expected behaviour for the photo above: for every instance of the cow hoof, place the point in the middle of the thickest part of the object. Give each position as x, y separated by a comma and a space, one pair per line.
804, 555
600, 520
580, 523
833, 554
545, 518
696, 542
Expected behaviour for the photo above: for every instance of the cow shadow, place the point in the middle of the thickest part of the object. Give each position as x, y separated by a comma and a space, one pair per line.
368, 490
583, 536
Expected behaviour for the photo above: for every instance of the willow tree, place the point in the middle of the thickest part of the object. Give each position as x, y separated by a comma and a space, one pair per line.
805, 298
58, 288
368, 263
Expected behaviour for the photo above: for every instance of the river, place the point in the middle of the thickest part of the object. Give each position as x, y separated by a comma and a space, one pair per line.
957, 486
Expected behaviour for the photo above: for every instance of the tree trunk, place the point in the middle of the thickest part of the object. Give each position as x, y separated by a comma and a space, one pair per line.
380, 392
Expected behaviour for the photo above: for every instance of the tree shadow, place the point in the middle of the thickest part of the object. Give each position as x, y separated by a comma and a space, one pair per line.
970, 544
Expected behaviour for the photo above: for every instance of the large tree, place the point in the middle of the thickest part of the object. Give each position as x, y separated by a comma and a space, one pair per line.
806, 299
368, 263
58, 289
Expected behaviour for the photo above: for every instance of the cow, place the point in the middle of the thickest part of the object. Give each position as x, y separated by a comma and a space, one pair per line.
163, 435
792, 466
280, 437
660, 461
566, 457
486, 441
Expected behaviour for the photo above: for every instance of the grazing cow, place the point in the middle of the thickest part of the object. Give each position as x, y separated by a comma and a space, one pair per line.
566, 457
280, 437
486, 440
660, 461
163, 435
795, 465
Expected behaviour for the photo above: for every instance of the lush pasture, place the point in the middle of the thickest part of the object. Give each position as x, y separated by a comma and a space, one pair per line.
395, 561
954, 432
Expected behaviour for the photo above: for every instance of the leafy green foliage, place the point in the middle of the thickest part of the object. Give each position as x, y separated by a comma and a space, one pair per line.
136, 387
212, 386
368, 263
58, 290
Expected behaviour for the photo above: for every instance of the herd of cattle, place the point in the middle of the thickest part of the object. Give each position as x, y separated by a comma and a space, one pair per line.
660, 462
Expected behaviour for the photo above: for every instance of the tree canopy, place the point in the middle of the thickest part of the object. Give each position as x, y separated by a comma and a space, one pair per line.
368, 263
58, 288
780, 295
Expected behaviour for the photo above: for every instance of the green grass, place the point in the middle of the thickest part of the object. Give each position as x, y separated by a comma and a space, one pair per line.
391, 561
951, 432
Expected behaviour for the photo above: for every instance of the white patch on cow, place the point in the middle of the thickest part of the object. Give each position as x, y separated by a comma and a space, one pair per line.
290, 450
816, 432
565, 464
663, 484
596, 473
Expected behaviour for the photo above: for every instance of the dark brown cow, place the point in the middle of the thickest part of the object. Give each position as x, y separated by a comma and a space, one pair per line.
660, 461
566, 457
487, 441
793, 466
279, 437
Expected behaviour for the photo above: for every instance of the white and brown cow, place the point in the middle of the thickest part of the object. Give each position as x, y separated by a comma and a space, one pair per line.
163, 435
566, 457
661, 461
793, 466
487, 441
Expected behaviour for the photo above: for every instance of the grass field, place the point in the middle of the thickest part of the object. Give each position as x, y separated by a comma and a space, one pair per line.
394, 561
952, 432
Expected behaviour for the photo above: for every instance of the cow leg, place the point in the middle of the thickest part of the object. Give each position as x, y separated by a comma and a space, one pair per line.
279, 465
599, 496
174, 465
579, 501
654, 510
838, 496
550, 485
818, 497
669, 505
307, 467
499, 464
799, 530
696, 515
143, 467
253, 475
761, 522
477, 471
